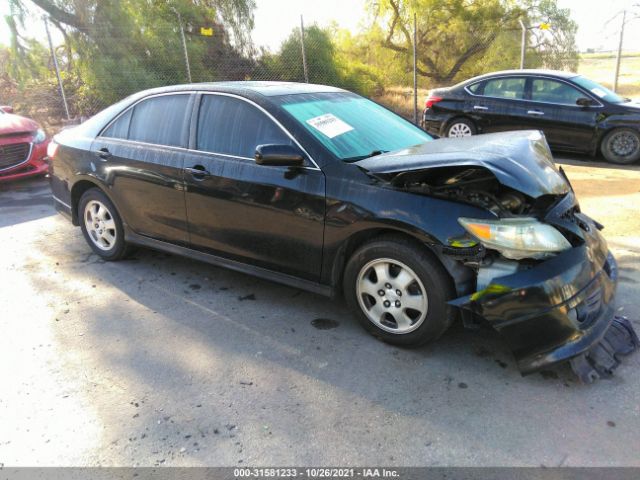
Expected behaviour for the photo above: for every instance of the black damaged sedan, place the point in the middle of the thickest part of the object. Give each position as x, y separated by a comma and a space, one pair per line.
321, 189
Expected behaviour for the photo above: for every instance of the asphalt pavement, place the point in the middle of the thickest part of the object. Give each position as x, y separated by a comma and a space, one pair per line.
160, 360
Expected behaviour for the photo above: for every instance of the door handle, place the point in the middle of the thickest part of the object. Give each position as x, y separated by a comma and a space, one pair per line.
535, 112
103, 153
480, 107
198, 171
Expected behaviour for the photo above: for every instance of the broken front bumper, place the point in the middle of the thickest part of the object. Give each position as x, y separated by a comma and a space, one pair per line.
557, 310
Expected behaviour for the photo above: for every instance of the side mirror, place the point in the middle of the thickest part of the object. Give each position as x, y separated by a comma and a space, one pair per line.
584, 102
286, 155
6, 109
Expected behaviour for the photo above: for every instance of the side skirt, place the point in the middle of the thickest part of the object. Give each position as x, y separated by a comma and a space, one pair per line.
278, 277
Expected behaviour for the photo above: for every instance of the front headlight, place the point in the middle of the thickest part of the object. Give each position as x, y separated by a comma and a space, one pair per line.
40, 136
517, 238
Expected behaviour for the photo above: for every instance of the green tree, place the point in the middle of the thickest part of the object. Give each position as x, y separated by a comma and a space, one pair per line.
554, 47
326, 64
459, 37
118, 47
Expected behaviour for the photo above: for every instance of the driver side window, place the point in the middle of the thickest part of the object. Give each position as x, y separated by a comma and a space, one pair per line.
232, 126
551, 91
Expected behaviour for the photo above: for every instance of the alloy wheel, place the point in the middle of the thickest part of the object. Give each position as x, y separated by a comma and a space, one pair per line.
460, 130
392, 296
100, 225
624, 144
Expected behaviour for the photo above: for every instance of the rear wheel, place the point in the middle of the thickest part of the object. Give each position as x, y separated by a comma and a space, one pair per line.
461, 127
101, 225
621, 146
398, 291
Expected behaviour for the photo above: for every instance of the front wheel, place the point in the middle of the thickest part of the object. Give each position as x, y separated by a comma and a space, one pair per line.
621, 146
398, 291
101, 225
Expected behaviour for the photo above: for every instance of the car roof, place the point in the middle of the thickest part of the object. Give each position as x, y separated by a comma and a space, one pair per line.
264, 88
527, 72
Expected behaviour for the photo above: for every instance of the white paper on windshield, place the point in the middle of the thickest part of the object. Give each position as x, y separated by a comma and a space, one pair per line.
598, 91
329, 125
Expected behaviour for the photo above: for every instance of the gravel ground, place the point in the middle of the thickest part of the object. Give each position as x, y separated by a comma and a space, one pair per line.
160, 360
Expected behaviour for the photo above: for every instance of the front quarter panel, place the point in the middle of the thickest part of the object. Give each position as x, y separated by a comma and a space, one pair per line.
620, 119
358, 203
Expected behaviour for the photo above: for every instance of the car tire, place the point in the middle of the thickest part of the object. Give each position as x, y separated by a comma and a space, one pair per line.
621, 146
460, 127
410, 274
101, 225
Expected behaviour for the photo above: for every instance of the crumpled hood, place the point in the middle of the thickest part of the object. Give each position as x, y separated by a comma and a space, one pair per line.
520, 160
10, 123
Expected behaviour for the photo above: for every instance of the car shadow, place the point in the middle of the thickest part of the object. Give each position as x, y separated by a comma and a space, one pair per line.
166, 326
25, 200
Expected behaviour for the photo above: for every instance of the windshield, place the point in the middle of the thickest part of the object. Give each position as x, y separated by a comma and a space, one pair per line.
598, 90
350, 126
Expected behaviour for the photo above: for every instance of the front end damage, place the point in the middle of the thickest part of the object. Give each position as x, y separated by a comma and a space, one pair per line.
550, 306
560, 309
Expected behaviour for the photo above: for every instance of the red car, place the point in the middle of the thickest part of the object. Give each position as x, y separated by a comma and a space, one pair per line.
23, 146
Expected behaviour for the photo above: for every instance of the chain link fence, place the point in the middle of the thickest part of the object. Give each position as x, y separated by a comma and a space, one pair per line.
173, 53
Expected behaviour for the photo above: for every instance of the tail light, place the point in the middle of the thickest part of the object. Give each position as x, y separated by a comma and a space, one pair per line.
52, 149
431, 99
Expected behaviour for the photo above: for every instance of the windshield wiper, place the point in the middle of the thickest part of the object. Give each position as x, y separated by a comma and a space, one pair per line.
362, 157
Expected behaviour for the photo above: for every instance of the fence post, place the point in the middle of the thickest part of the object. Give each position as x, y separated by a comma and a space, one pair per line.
523, 43
55, 64
184, 46
415, 69
619, 56
304, 53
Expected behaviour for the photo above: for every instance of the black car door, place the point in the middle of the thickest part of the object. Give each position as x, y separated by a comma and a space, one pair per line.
140, 156
268, 216
553, 109
497, 104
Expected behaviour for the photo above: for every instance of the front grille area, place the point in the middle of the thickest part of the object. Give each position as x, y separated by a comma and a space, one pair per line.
13, 154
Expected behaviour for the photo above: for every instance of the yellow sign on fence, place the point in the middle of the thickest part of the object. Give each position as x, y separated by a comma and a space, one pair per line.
206, 32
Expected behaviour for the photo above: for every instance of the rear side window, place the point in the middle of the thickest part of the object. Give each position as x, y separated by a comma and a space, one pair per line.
474, 88
234, 127
160, 120
508, 87
552, 91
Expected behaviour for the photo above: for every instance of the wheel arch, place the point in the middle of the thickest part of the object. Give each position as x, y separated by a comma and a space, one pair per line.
357, 239
606, 130
78, 189
458, 116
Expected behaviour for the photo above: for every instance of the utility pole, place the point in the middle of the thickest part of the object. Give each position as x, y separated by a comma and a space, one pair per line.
415, 69
304, 53
523, 43
55, 64
619, 56
184, 46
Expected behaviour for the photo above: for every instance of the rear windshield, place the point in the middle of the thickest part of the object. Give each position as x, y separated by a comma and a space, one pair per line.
350, 126
598, 90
